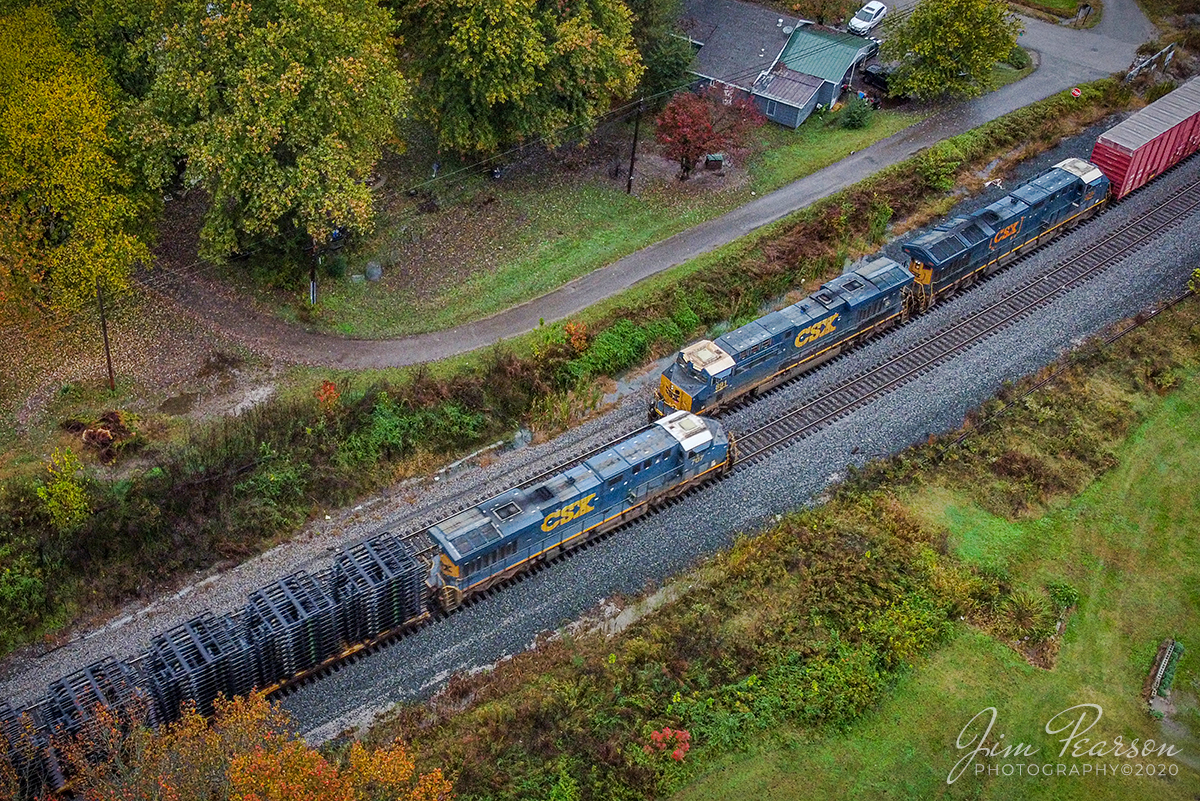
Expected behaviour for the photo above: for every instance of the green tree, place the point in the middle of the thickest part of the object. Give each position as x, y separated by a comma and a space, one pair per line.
280, 109
947, 48
63, 494
68, 217
495, 72
667, 57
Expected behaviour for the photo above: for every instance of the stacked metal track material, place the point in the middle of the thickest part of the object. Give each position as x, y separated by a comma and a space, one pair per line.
842, 399
286, 629
376, 585
294, 625
198, 661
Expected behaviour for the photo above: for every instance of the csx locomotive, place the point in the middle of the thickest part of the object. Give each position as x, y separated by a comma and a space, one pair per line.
708, 376
300, 623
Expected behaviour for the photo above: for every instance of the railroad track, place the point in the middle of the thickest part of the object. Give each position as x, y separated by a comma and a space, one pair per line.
845, 397
413, 530
820, 411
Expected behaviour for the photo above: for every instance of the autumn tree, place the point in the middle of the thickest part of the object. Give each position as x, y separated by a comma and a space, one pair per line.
947, 48
667, 57
68, 215
693, 125
280, 109
115, 32
246, 752
491, 73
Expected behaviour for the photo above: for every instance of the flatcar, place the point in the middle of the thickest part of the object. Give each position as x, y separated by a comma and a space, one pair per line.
486, 544
708, 375
303, 622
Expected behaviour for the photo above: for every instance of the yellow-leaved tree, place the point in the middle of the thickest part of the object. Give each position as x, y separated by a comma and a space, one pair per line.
67, 219
246, 752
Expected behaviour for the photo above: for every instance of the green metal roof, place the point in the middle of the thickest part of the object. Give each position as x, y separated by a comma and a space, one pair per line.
825, 55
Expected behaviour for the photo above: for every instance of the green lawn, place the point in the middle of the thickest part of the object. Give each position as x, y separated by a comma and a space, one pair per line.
1129, 545
816, 144
567, 229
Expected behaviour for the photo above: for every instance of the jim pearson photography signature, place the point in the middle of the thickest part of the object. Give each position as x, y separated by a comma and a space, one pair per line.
982, 748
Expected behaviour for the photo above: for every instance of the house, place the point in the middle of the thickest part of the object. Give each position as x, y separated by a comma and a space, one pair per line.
787, 65
786, 96
828, 55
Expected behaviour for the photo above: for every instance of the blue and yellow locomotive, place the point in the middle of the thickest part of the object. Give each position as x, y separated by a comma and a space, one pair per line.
959, 251
707, 376
486, 544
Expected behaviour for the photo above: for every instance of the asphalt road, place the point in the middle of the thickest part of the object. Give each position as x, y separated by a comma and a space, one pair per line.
1067, 57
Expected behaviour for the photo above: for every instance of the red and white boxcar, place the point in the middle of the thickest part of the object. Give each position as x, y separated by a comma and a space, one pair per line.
1151, 141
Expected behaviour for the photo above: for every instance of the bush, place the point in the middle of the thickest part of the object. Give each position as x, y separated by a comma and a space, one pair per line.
1028, 614
938, 165
1160, 89
1018, 58
63, 496
1063, 595
857, 114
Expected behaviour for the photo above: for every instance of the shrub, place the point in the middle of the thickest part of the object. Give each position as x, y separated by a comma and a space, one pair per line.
1063, 595
1018, 58
1160, 89
857, 114
1028, 614
938, 164
63, 496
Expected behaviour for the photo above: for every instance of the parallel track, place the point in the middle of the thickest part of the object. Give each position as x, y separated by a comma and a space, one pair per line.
832, 405
960, 336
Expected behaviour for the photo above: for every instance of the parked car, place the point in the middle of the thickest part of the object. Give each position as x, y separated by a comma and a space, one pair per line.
877, 75
868, 17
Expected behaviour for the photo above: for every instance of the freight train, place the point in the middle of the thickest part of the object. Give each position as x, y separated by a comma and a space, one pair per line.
297, 625
708, 376
293, 627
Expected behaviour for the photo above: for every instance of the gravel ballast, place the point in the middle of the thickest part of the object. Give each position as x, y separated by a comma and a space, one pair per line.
671, 540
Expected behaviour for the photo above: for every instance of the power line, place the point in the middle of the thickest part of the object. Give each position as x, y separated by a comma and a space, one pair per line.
159, 281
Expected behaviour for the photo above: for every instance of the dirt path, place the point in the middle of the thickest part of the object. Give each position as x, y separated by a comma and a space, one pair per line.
1068, 57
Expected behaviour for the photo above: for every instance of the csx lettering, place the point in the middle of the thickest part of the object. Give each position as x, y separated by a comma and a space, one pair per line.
1008, 230
568, 513
816, 331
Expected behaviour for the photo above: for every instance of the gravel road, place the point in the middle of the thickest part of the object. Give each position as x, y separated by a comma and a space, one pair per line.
673, 539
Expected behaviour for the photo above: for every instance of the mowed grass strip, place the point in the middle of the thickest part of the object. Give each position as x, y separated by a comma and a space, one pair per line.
1129, 544
563, 230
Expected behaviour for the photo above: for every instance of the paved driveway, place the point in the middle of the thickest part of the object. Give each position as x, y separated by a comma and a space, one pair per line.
1067, 57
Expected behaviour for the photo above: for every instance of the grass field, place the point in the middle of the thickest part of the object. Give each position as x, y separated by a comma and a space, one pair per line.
1128, 545
560, 230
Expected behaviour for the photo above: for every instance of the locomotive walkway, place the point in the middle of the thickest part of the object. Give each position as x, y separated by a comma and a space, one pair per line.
1067, 57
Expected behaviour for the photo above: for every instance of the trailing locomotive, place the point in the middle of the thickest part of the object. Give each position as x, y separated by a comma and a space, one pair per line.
486, 544
959, 251
709, 376
303, 622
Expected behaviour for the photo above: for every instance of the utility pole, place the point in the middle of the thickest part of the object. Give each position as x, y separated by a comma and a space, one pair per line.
637, 124
112, 381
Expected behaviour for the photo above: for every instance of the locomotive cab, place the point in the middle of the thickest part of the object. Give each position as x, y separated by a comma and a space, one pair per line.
697, 376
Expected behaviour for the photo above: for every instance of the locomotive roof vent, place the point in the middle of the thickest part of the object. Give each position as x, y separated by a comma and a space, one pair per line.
507, 510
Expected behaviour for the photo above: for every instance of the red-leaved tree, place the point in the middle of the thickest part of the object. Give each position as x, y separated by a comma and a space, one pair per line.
693, 125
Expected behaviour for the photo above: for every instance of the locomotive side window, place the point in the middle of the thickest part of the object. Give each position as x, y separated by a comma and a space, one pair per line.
614, 481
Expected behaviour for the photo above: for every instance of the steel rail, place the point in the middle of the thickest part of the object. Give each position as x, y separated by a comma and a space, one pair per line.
963, 334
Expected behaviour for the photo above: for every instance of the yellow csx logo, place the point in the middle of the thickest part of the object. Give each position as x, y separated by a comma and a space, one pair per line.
568, 513
816, 331
1009, 230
